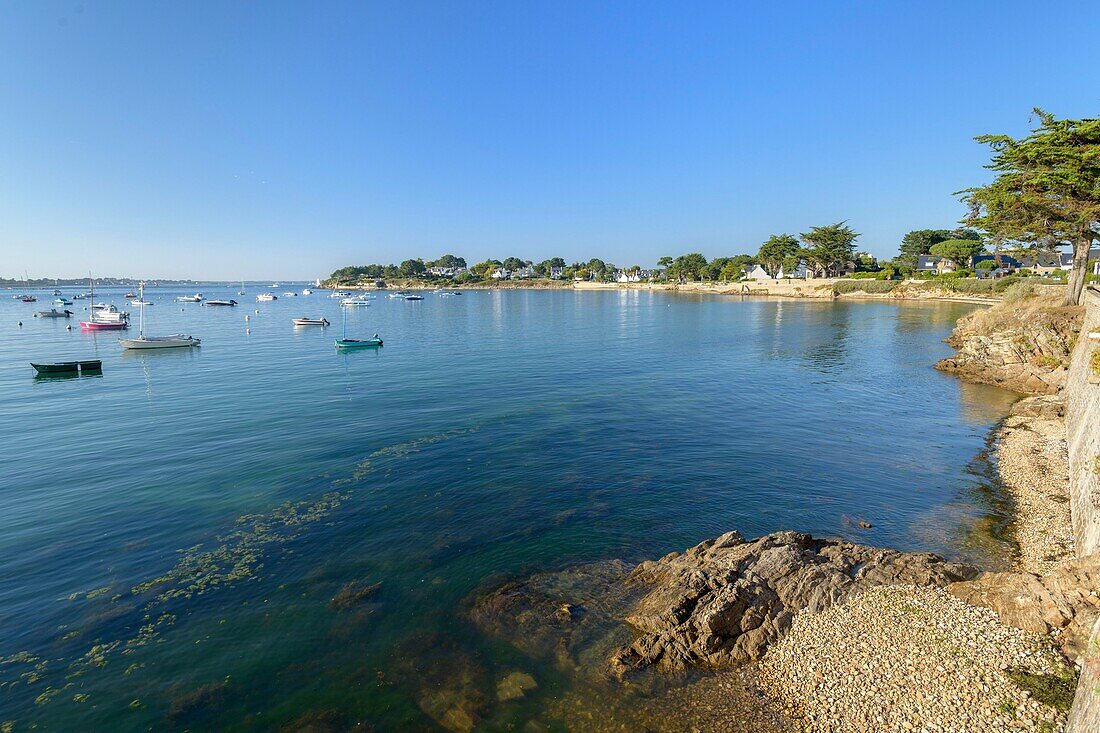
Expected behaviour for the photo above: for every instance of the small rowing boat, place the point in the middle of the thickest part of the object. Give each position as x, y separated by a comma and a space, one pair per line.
69, 367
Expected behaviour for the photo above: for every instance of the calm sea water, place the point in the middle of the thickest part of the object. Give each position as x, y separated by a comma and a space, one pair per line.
145, 553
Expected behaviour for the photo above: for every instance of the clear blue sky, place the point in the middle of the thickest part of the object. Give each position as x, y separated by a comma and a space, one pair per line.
276, 140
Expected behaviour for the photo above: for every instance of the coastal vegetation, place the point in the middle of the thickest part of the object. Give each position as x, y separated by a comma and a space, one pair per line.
1046, 192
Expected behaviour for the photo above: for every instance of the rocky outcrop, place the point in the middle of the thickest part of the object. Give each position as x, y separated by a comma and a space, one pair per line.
1023, 346
1066, 601
725, 600
1045, 407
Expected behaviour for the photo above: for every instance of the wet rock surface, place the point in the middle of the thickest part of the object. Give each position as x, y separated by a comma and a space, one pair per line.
726, 600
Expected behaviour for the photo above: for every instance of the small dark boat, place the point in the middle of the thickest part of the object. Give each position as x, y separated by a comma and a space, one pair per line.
69, 367
221, 302
346, 343
53, 313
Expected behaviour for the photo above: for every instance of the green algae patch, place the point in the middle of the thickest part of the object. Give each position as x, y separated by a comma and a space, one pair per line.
238, 556
1055, 690
405, 449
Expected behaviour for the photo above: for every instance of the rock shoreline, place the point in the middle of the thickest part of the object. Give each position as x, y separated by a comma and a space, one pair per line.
819, 634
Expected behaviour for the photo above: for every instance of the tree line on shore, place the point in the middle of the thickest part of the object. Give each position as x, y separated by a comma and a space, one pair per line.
1045, 195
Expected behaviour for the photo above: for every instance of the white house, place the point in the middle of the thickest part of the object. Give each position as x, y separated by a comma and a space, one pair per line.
756, 272
626, 276
557, 273
501, 274
525, 272
446, 271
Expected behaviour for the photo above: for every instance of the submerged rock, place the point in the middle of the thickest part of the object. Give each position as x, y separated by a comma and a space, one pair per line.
515, 686
725, 600
352, 594
572, 617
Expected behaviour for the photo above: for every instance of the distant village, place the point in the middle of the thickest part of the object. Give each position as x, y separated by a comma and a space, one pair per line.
823, 252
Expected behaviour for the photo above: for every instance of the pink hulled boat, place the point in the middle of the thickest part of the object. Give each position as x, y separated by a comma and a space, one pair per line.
105, 317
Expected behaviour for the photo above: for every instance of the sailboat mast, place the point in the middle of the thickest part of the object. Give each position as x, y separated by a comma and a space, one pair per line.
141, 310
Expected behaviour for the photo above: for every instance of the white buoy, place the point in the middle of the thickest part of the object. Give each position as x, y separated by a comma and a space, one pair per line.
247, 317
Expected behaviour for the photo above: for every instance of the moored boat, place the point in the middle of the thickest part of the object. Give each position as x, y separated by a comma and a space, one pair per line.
104, 317
28, 299
196, 298
174, 341
347, 343
414, 297
68, 367
221, 302
307, 291
355, 301
62, 301
310, 321
142, 341
358, 343
290, 294
264, 297
53, 313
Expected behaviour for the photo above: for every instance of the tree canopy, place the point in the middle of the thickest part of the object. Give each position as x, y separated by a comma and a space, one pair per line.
958, 251
830, 245
920, 241
778, 252
1046, 190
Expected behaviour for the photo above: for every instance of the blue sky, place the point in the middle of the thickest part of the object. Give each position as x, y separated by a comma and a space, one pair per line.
279, 140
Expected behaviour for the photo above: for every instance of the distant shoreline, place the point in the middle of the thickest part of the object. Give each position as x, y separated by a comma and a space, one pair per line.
819, 289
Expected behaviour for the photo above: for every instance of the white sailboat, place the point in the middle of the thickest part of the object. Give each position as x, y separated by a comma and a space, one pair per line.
155, 342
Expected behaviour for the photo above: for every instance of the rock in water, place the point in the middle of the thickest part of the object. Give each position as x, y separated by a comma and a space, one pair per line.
515, 686
725, 600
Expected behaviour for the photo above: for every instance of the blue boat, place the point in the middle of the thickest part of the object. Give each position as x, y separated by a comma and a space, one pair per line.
345, 343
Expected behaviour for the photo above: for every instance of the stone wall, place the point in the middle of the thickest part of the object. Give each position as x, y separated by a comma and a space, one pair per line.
1083, 436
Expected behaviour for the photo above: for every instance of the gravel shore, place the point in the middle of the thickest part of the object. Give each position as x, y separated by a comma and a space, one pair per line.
1033, 463
909, 659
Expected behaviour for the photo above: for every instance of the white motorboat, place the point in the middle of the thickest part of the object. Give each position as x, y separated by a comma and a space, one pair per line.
355, 301
196, 298
139, 302
307, 291
290, 294
263, 297
221, 302
340, 294
104, 313
311, 321
155, 342
62, 301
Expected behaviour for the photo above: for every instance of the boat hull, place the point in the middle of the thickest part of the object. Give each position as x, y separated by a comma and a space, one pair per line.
97, 326
358, 343
310, 322
163, 342
69, 367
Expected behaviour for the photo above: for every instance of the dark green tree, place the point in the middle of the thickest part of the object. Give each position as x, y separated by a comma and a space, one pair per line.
776, 251
829, 246
958, 251
1047, 189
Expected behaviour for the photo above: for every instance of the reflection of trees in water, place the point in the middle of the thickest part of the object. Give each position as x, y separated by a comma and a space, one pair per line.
828, 332
913, 317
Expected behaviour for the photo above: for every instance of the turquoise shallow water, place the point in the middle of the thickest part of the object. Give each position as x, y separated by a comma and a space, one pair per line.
494, 433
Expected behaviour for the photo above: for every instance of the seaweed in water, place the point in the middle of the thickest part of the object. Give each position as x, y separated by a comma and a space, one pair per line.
352, 594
